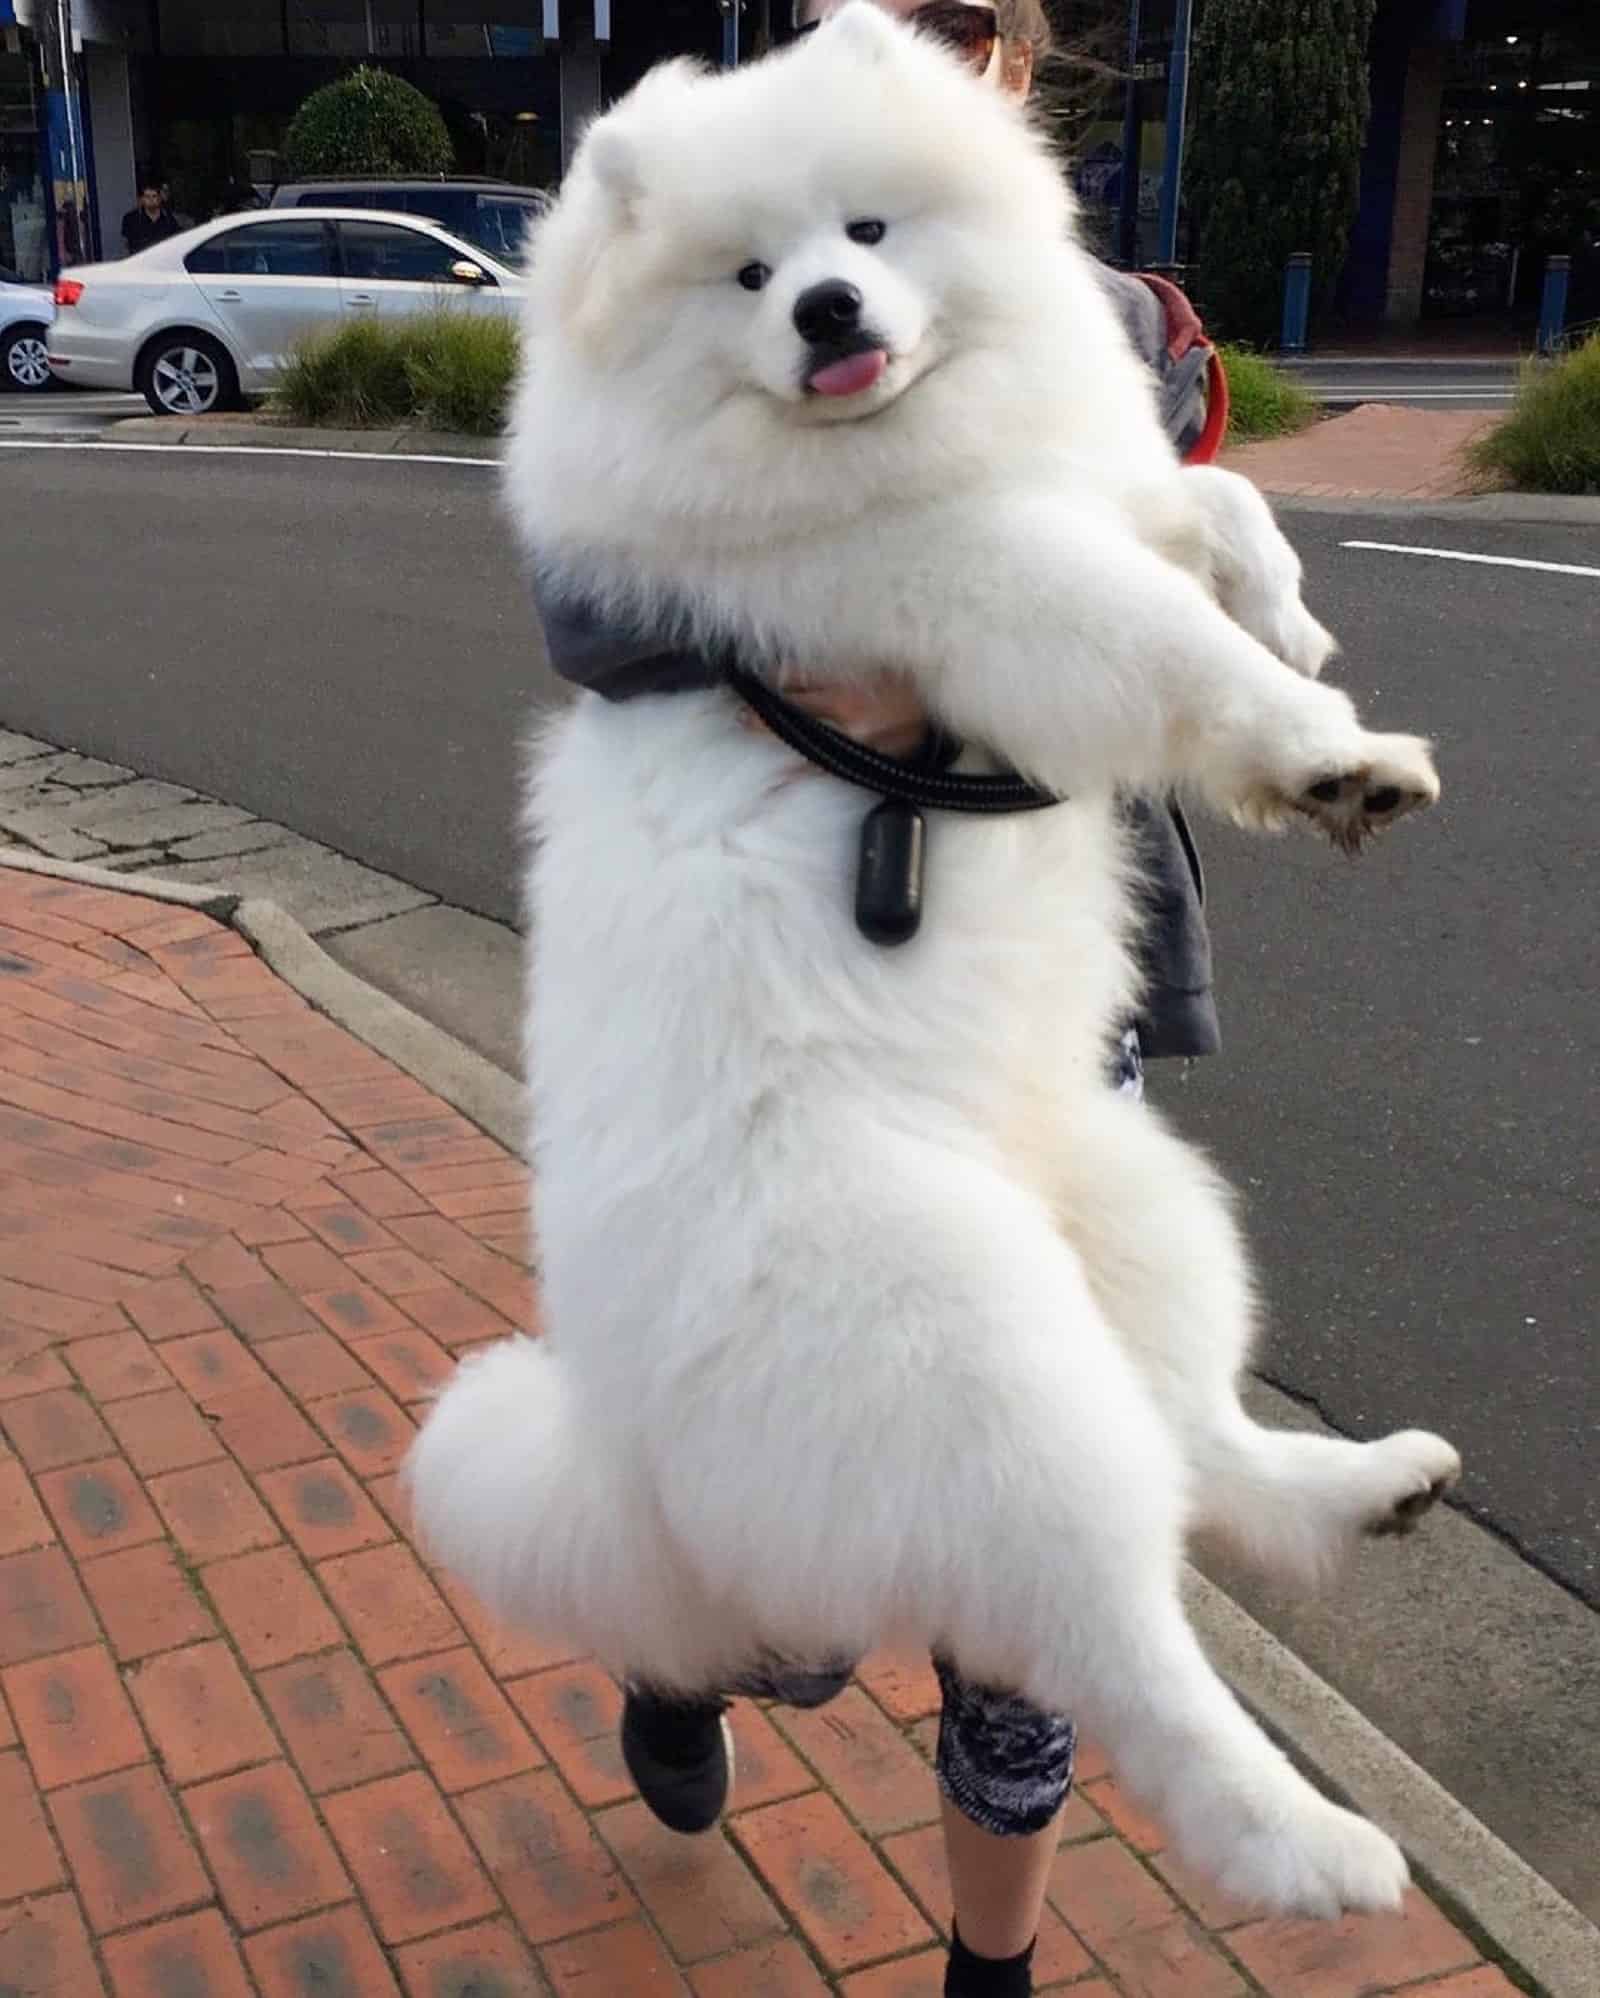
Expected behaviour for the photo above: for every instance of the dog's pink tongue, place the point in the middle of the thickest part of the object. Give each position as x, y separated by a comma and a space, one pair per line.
851, 376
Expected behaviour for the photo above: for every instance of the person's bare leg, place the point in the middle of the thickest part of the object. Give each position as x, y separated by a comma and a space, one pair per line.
997, 1884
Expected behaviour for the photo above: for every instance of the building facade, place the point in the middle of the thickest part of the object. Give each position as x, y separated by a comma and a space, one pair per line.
1482, 158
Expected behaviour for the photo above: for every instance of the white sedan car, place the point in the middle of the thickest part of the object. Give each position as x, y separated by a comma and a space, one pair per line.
26, 311
211, 316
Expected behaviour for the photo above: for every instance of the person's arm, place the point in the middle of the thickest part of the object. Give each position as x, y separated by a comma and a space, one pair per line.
612, 659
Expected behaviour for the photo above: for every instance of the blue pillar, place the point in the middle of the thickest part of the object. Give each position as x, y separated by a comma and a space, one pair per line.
1296, 301
66, 153
1553, 303
1177, 106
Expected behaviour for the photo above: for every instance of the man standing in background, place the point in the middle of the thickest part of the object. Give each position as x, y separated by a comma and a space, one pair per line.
150, 222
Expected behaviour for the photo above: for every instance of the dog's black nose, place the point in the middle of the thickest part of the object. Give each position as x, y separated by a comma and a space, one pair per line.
825, 311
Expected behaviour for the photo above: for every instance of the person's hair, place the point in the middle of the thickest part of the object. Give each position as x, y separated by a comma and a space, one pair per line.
1020, 21
1025, 21
1073, 79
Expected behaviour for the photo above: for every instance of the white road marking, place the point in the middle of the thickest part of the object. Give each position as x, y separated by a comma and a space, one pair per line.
246, 451
1379, 391
1460, 555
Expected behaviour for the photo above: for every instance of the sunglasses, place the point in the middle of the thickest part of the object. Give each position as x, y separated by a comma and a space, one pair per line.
971, 32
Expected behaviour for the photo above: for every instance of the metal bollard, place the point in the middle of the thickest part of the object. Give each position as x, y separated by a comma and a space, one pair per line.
1553, 303
1296, 301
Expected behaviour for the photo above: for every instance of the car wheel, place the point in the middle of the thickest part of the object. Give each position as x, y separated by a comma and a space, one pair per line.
24, 364
187, 374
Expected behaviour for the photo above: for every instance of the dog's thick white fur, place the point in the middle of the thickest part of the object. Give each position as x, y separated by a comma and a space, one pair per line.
873, 1313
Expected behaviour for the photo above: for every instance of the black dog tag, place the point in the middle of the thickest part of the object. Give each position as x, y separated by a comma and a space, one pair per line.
889, 873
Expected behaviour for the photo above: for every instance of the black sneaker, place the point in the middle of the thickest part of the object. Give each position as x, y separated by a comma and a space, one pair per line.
680, 1754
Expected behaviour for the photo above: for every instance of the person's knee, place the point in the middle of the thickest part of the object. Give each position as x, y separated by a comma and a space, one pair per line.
1004, 1763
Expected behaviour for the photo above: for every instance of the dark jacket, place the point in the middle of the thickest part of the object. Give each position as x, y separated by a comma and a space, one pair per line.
1179, 1016
139, 230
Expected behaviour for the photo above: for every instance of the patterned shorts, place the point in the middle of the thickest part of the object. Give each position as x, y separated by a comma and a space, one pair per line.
1003, 1763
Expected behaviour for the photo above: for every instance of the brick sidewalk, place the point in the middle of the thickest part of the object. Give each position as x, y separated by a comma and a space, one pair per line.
1378, 451
248, 1743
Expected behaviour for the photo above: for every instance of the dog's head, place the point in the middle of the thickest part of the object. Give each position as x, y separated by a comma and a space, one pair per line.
811, 235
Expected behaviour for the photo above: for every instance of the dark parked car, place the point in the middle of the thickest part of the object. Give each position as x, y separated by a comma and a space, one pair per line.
491, 213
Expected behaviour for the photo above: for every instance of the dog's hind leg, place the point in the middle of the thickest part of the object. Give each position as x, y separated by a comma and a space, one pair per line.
1044, 1553
1153, 1223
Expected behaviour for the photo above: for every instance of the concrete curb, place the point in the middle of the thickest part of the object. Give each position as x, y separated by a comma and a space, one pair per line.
1476, 1874
471, 1083
1479, 1878
216, 902
242, 433
1545, 509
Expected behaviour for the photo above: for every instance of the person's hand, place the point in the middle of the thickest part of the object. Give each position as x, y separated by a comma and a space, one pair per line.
886, 713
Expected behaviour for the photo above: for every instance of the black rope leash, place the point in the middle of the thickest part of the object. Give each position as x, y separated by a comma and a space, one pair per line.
890, 867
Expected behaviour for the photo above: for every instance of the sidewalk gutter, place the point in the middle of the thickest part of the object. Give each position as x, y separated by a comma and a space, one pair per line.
1493, 509
248, 433
1483, 1882
243, 434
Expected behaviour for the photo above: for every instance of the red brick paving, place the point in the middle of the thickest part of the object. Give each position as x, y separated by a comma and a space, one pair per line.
248, 1742
1378, 450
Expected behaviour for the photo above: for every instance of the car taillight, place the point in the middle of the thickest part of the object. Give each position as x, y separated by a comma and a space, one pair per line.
68, 291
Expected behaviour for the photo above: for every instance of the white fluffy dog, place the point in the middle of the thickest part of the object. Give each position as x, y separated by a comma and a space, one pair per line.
873, 1313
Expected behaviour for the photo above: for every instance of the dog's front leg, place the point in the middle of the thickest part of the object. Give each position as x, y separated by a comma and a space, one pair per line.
1088, 662
1252, 569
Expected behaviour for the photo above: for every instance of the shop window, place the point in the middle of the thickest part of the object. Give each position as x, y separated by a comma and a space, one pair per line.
353, 29
221, 27
24, 229
505, 29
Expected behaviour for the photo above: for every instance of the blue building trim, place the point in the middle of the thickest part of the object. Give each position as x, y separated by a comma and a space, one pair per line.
1399, 26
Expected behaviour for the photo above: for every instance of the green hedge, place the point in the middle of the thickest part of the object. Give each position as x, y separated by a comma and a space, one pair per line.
1278, 105
1263, 400
452, 370
443, 370
369, 122
1550, 442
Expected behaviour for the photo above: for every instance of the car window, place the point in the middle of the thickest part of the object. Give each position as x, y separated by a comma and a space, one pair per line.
501, 224
384, 252
338, 197
439, 204
264, 249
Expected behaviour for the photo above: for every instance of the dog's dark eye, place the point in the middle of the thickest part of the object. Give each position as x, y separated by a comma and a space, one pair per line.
754, 276
868, 231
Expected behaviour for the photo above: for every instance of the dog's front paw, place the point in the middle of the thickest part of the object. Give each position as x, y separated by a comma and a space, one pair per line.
1395, 776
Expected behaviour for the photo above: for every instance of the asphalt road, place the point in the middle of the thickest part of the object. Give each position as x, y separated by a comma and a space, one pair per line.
1408, 1096
1435, 383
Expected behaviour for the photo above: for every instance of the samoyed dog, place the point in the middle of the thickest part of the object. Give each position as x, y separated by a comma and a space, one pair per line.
873, 1313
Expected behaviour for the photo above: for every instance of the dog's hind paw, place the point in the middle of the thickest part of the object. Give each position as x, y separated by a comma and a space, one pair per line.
1324, 1862
1424, 1468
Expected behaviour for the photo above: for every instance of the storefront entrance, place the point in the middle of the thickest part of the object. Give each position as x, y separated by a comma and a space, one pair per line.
1517, 174
24, 221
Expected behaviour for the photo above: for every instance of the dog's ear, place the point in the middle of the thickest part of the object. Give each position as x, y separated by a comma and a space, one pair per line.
864, 31
613, 147
614, 161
